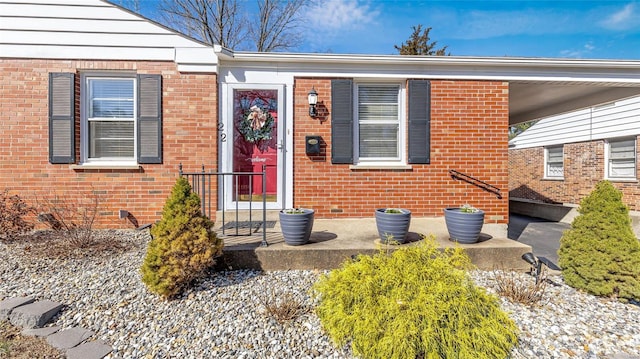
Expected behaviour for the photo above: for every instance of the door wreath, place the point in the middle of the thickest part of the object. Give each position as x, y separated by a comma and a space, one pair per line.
257, 125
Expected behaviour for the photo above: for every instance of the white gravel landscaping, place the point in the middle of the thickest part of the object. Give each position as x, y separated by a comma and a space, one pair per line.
224, 316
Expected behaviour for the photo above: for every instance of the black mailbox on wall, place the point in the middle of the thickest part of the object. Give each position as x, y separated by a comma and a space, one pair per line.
312, 145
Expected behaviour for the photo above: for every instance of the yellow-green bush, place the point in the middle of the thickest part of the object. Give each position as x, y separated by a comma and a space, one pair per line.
183, 244
416, 302
600, 254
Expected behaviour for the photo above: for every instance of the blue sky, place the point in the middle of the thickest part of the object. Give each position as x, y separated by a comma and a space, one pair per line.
556, 29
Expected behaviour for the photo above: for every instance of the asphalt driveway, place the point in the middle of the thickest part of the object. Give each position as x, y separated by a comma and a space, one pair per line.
543, 236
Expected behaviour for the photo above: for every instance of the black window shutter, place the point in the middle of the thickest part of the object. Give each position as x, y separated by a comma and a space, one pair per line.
62, 129
419, 121
341, 121
149, 119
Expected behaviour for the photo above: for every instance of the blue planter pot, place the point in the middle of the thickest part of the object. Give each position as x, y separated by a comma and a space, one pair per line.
463, 227
393, 226
296, 228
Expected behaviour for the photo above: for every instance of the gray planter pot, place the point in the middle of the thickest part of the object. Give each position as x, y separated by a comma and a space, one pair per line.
296, 228
393, 226
463, 227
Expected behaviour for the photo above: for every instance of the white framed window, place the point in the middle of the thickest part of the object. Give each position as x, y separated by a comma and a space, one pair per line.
621, 159
108, 119
554, 162
379, 129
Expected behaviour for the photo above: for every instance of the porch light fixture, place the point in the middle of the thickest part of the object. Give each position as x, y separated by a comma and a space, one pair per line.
313, 100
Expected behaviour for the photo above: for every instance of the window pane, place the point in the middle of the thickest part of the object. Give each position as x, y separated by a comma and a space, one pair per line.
555, 170
378, 103
622, 150
624, 168
111, 139
111, 98
378, 140
555, 154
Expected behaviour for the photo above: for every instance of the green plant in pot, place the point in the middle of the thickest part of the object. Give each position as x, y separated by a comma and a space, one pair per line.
464, 223
393, 224
296, 225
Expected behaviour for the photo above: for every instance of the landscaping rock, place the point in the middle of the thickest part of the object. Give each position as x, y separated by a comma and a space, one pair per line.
69, 338
40, 332
9, 304
91, 350
34, 315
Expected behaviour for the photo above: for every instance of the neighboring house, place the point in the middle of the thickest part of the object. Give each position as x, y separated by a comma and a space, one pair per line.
96, 99
561, 158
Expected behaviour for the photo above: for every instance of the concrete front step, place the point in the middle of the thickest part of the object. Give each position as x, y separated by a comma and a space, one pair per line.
333, 241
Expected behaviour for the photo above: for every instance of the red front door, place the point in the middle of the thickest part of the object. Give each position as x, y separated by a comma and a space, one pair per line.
255, 142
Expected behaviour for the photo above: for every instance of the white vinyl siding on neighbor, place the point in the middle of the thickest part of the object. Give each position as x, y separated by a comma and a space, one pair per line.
621, 159
109, 119
554, 162
615, 119
378, 123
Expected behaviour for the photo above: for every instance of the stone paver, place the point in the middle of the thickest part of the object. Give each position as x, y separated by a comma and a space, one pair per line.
91, 350
40, 332
69, 338
9, 304
34, 315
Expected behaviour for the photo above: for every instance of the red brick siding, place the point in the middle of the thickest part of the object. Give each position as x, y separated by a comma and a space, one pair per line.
190, 106
584, 167
469, 121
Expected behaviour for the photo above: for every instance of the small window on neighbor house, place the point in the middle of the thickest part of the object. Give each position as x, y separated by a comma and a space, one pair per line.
554, 167
621, 159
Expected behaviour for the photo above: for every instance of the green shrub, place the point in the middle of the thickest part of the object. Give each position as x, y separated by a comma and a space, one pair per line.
13, 211
414, 302
600, 254
183, 244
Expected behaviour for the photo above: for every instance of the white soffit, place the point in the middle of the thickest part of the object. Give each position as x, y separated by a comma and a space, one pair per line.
538, 87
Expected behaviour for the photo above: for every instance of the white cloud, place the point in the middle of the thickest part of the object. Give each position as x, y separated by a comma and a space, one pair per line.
579, 53
337, 15
626, 18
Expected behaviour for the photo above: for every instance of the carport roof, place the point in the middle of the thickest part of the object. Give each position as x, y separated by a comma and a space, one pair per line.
538, 87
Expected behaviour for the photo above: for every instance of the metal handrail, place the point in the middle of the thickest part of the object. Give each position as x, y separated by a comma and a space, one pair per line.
201, 183
457, 175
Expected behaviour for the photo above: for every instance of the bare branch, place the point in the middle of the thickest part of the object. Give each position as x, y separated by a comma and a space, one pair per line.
211, 21
278, 25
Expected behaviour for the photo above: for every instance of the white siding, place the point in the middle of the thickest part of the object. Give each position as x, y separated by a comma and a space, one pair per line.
618, 119
92, 29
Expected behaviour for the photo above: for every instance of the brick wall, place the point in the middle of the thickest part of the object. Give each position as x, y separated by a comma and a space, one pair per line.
469, 122
190, 106
583, 168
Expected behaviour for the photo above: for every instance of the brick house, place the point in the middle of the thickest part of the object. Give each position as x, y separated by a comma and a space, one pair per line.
561, 158
113, 105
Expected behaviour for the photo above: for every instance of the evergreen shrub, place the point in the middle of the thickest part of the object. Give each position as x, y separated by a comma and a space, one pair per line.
183, 245
415, 302
600, 253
